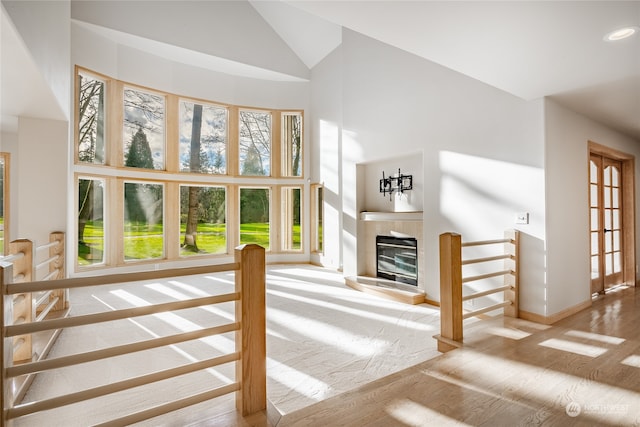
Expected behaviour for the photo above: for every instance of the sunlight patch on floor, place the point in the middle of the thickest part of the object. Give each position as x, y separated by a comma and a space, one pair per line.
340, 338
411, 413
574, 347
297, 381
514, 334
607, 339
495, 371
354, 311
633, 360
218, 342
174, 347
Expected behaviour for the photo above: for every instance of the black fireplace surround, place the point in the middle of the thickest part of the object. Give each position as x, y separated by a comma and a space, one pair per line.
397, 259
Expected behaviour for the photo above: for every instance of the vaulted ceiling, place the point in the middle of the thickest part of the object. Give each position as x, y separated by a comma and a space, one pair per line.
530, 49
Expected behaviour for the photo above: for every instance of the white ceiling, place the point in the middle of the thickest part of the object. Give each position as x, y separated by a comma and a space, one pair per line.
529, 49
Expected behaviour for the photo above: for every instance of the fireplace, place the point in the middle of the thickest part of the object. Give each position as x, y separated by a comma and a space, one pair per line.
397, 259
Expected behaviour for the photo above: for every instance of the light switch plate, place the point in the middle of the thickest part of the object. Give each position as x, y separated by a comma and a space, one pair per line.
522, 218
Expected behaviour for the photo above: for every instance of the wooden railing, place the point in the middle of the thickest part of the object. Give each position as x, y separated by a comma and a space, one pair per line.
249, 326
35, 307
452, 314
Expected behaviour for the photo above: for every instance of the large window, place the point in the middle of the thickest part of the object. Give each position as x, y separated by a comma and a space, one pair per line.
255, 143
292, 144
91, 119
255, 206
203, 220
163, 177
143, 221
317, 218
291, 230
143, 129
90, 221
203, 138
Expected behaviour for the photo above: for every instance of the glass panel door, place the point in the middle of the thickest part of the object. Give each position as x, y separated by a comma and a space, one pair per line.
605, 211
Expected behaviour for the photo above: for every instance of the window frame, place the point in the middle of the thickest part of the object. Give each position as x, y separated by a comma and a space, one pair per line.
114, 174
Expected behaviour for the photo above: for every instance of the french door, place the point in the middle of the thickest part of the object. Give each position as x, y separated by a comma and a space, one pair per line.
605, 201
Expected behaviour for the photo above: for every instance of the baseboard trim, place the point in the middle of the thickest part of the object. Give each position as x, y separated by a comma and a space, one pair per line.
549, 320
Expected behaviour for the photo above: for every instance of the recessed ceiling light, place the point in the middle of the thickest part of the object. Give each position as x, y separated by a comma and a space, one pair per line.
621, 33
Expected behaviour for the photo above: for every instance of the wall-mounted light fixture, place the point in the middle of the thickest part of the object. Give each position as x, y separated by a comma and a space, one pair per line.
398, 183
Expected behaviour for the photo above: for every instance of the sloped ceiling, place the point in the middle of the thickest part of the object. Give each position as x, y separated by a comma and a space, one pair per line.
530, 49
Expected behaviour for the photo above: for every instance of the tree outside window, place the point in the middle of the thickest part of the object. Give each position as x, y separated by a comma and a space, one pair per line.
143, 221
255, 143
143, 129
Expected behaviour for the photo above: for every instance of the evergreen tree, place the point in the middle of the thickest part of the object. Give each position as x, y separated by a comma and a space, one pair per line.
139, 154
252, 162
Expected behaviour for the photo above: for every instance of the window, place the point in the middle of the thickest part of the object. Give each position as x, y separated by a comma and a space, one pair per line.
186, 177
317, 217
90, 221
203, 224
291, 219
4, 202
91, 119
203, 138
143, 130
143, 216
254, 216
255, 143
292, 144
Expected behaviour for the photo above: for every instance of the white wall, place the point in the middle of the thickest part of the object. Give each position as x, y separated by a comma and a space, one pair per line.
230, 30
409, 201
326, 151
566, 158
44, 27
482, 149
102, 55
39, 147
41, 172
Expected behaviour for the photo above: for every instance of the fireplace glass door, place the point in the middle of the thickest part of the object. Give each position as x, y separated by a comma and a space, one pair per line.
397, 259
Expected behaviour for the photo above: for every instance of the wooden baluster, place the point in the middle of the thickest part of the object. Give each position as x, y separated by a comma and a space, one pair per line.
513, 249
6, 305
251, 369
58, 264
23, 310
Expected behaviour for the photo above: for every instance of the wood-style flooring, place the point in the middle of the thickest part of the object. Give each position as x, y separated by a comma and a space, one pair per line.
582, 371
334, 359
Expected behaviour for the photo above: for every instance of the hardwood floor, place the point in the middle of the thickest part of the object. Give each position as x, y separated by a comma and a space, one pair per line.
337, 357
582, 371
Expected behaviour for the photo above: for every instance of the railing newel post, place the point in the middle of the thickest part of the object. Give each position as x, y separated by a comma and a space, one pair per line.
251, 369
450, 291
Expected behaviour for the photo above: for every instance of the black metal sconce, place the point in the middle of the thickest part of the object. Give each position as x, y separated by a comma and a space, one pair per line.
399, 183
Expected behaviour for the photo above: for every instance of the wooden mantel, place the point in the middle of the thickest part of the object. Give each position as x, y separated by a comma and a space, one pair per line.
391, 216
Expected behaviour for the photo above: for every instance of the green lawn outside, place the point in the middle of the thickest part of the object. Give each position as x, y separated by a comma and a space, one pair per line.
143, 242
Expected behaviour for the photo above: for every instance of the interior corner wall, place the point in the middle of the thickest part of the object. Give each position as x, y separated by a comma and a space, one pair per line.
41, 173
567, 201
326, 152
483, 149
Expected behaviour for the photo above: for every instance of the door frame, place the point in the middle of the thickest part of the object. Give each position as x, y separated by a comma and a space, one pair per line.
628, 207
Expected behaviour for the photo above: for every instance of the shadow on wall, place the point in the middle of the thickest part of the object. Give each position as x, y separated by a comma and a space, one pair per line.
480, 198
